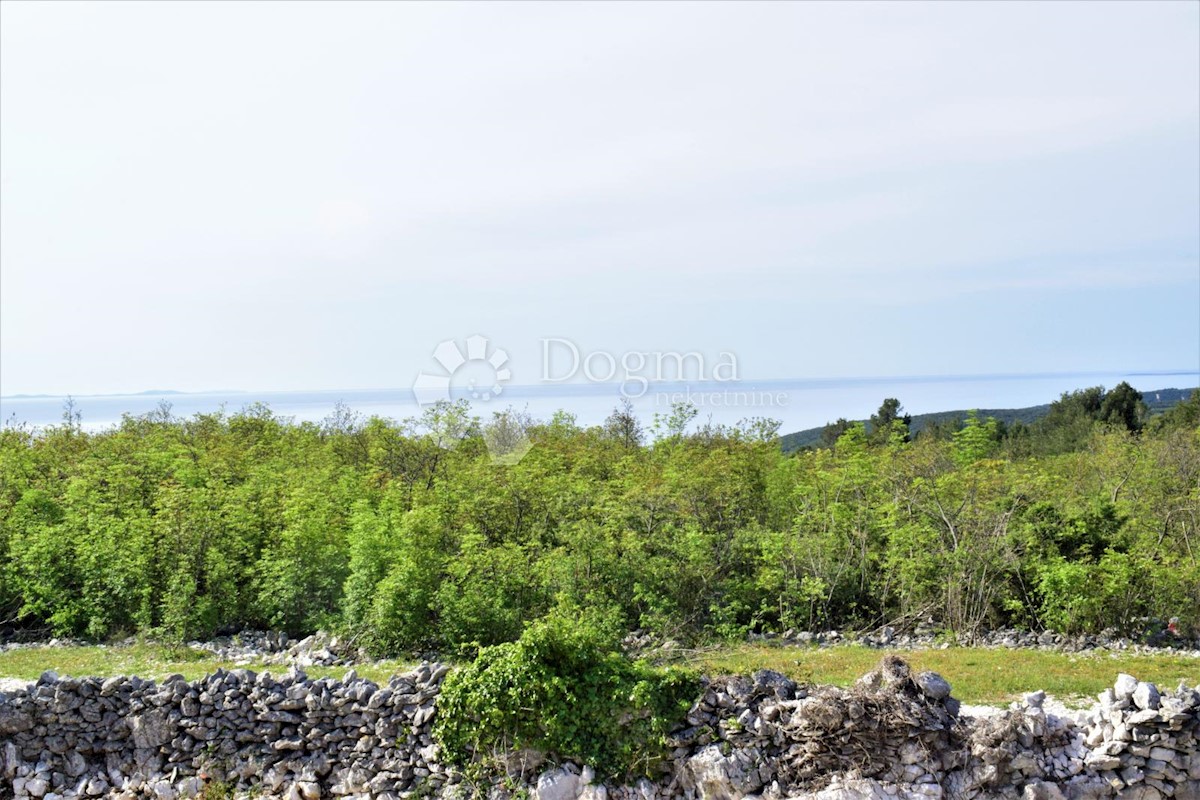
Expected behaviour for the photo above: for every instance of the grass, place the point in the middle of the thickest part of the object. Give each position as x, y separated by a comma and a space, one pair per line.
157, 661
978, 675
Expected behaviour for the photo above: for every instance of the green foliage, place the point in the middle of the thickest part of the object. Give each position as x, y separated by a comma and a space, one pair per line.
217, 790
396, 563
410, 536
1123, 407
623, 426
1014, 423
1182, 416
976, 439
563, 688
1089, 595
671, 427
890, 423
489, 593
303, 568
832, 432
1071, 419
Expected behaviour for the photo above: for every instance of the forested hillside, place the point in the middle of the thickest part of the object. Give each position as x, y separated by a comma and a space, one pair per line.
412, 536
1156, 401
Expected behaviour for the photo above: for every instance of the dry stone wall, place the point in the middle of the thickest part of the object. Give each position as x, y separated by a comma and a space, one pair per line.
896, 734
301, 738
893, 735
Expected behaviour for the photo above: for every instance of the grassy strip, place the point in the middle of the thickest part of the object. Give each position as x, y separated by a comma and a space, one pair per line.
157, 661
978, 675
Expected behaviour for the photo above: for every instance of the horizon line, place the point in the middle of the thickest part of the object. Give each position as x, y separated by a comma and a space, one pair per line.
550, 388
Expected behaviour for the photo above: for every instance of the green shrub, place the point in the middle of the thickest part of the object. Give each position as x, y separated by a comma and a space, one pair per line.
396, 563
566, 690
489, 593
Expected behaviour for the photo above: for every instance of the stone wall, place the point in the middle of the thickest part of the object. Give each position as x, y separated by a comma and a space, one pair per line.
291, 736
897, 734
893, 734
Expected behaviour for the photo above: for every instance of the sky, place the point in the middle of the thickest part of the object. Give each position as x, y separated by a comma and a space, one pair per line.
312, 196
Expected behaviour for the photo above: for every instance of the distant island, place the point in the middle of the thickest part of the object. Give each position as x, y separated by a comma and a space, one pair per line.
146, 393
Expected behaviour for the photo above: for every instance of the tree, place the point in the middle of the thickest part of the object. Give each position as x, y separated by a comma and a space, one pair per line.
671, 427
507, 435
1123, 407
1183, 415
940, 428
1068, 423
889, 421
976, 439
623, 425
832, 432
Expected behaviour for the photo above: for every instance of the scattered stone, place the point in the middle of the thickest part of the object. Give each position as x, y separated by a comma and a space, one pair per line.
1125, 686
557, 784
934, 686
1146, 696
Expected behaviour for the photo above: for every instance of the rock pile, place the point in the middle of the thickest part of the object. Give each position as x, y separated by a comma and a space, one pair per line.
1144, 743
1008, 638
898, 735
274, 647
773, 736
295, 737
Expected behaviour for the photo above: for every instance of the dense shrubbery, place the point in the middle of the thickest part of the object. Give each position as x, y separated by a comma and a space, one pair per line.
410, 536
565, 689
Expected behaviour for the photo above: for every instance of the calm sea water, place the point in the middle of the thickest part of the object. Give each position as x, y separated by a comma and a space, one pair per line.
797, 403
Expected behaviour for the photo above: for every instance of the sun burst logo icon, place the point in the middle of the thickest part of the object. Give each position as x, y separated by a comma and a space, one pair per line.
473, 372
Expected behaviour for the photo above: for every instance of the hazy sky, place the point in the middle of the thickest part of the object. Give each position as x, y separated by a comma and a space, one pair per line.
312, 196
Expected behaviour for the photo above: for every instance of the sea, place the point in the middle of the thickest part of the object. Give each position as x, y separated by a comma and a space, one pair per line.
796, 403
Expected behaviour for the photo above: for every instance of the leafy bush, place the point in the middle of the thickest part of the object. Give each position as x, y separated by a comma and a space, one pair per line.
563, 689
488, 593
396, 561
